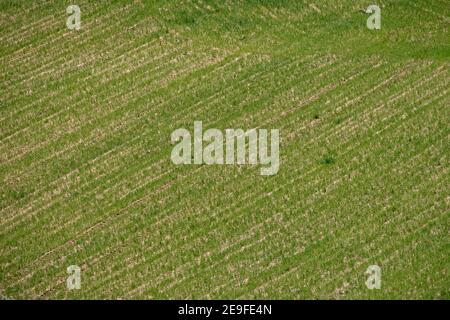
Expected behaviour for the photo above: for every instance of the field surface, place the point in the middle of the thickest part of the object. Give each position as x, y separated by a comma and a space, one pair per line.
86, 177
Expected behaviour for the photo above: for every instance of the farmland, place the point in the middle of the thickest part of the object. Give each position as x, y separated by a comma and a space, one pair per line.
86, 118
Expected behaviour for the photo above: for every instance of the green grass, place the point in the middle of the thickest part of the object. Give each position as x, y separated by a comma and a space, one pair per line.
86, 176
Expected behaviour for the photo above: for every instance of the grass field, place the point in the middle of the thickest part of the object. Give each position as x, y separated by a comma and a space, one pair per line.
86, 177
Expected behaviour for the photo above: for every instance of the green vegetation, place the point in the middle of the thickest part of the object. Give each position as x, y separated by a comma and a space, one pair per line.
85, 171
